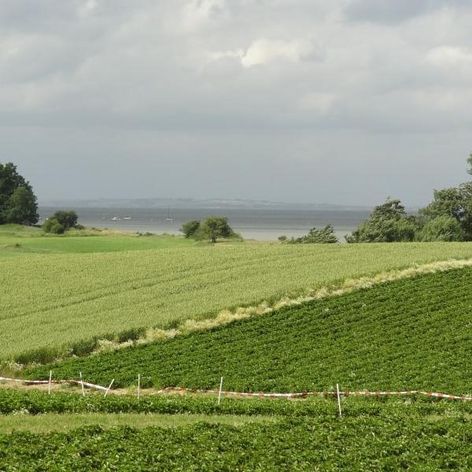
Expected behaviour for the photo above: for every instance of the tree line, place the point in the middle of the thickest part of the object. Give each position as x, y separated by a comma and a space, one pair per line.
447, 218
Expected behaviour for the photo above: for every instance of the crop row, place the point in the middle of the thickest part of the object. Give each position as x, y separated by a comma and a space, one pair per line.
408, 334
37, 402
362, 443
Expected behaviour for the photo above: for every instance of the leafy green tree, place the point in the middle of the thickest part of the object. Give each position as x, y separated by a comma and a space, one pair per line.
190, 228
441, 228
469, 161
325, 235
215, 227
388, 222
60, 222
18, 203
455, 202
22, 207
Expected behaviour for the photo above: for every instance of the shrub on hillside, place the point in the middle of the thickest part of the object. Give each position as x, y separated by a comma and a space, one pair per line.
60, 222
316, 236
51, 225
190, 228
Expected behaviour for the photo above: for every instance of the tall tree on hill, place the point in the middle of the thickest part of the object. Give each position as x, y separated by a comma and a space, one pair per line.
388, 222
18, 203
469, 161
455, 202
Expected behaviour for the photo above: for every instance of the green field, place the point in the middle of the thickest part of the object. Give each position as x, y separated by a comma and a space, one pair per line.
308, 435
85, 287
412, 334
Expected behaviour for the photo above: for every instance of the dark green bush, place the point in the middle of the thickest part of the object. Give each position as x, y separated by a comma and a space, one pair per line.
51, 225
60, 222
131, 334
84, 347
41, 355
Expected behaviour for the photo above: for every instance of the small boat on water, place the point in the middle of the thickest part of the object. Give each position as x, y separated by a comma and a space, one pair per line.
169, 217
126, 217
116, 218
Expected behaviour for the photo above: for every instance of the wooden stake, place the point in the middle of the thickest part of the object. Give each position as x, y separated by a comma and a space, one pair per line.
82, 384
221, 391
139, 386
339, 400
49, 384
108, 389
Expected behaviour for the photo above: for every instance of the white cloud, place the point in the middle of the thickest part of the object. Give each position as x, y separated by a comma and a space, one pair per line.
449, 56
263, 51
219, 55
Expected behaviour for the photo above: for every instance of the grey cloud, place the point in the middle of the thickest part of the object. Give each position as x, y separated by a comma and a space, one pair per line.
395, 11
133, 91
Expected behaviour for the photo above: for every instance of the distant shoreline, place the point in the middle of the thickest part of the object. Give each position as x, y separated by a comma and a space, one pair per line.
255, 223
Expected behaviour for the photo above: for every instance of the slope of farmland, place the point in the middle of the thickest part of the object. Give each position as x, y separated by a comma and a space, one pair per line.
408, 334
54, 299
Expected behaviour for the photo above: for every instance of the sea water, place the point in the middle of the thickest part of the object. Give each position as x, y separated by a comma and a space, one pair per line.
258, 224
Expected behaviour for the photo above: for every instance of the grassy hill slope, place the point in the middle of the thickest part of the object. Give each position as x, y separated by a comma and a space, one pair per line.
54, 299
21, 241
409, 334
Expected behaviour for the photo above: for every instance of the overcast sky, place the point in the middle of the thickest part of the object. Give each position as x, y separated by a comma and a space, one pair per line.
339, 101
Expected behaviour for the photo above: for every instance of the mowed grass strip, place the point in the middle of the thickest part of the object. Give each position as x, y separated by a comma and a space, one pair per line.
411, 334
56, 299
49, 422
